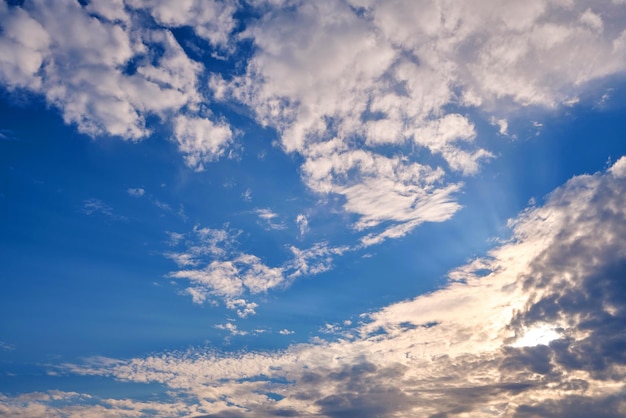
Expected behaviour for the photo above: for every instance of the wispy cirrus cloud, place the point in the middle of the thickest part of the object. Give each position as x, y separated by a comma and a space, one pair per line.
457, 350
98, 207
6, 346
267, 217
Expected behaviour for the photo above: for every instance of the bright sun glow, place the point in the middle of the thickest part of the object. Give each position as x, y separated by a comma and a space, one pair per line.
539, 335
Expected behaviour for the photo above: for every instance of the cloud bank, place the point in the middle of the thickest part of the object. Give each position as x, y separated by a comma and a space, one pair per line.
534, 329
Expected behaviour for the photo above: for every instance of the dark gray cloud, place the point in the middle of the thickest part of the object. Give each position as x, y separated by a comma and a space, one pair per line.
575, 407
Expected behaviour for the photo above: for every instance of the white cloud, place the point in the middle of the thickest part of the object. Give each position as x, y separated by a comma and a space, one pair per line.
98, 207
23, 49
201, 140
619, 168
136, 191
314, 260
210, 19
214, 266
210, 260
198, 294
267, 217
232, 328
286, 332
243, 307
111, 10
355, 82
303, 224
107, 74
219, 277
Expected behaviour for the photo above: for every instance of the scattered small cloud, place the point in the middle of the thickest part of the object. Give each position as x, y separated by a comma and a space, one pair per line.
136, 191
242, 307
303, 224
6, 346
7, 135
162, 205
267, 217
231, 328
92, 207
502, 125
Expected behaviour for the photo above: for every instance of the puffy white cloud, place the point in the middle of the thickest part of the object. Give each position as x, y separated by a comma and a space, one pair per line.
619, 168
201, 140
357, 80
23, 48
111, 10
220, 277
212, 20
243, 307
232, 328
106, 73
348, 85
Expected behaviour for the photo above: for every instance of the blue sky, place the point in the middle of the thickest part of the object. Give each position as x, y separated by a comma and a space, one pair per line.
334, 208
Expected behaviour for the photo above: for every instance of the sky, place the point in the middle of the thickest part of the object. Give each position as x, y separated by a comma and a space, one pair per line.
338, 208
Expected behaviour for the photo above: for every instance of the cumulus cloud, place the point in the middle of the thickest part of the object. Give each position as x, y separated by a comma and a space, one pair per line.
231, 328
211, 20
243, 307
473, 348
200, 139
107, 74
360, 78
358, 85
